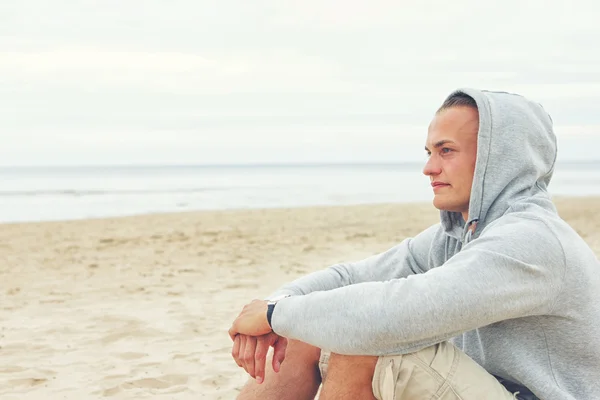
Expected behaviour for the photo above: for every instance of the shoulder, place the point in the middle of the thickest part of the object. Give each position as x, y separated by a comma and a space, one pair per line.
525, 236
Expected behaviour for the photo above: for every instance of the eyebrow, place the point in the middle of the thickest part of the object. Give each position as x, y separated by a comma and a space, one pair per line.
440, 144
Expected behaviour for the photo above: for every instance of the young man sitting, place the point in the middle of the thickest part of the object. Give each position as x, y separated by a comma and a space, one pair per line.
500, 300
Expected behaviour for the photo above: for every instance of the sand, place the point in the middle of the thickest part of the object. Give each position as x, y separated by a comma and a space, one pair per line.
139, 307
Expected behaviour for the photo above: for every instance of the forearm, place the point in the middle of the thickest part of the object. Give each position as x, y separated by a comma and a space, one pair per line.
397, 262
475, 288
327, 279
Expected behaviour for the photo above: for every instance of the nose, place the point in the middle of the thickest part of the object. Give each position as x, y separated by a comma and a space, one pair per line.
432, 167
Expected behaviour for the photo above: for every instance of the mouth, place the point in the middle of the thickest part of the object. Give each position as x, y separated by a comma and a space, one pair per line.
438, 185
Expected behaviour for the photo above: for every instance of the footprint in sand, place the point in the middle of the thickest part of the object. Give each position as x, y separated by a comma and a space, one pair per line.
131, 355
161, 382
26, 382
219, 380
11, 370
28, 377
164, 384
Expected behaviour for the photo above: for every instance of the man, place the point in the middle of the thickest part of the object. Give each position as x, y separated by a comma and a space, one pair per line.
500, 300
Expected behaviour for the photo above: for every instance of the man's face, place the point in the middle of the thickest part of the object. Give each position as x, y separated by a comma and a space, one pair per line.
452, 150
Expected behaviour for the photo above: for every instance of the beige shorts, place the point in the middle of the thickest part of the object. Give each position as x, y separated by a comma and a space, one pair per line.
440, 372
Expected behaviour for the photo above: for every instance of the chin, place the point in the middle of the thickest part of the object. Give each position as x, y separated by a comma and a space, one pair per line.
445, 205
440, 204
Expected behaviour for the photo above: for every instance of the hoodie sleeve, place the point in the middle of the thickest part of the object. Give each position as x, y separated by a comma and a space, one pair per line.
513, 270
407, 258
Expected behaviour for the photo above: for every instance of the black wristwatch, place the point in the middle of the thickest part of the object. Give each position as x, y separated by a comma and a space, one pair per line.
271, 307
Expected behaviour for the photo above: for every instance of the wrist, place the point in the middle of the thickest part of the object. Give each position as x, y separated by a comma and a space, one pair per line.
270, 309
271, 303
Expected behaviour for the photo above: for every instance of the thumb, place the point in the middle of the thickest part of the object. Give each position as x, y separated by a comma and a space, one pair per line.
279, 348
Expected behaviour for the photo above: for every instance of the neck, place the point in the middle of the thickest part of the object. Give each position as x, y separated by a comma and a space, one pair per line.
465, 216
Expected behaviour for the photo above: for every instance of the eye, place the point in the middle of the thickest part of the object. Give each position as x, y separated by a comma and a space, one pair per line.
445, 150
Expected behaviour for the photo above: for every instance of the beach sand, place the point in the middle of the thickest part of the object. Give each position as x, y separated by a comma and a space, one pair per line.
139, 307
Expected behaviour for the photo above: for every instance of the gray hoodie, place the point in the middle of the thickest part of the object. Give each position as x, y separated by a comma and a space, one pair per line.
520, 295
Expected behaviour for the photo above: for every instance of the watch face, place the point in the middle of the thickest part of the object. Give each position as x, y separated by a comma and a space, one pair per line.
277, 298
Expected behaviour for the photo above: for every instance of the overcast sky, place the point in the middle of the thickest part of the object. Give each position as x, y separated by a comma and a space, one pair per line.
224, 81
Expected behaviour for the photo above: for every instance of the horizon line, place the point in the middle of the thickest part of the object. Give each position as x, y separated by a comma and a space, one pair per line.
250, 164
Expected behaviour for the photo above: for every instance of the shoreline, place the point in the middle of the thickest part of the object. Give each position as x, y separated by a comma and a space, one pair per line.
556, 199
216, 210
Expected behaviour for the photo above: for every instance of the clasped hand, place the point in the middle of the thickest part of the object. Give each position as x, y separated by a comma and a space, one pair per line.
252, 336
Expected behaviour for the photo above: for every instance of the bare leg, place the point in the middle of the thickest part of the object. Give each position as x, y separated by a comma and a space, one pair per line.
349, 378
298, 379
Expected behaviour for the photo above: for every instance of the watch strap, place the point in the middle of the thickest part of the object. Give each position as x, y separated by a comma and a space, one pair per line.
270, 308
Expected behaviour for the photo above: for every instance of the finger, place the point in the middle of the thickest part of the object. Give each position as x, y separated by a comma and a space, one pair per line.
235, 351
241, 360
279, 349
249, 352
260, 356
232, 333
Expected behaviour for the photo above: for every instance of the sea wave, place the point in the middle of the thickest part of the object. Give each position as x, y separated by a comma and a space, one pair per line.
105, 192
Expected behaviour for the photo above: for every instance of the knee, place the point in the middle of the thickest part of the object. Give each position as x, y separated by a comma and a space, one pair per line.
302, 351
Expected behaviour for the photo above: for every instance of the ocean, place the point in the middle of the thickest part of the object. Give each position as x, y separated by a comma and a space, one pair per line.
65, 193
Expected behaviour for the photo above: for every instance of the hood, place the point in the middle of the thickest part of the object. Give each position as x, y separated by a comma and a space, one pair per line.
516, 152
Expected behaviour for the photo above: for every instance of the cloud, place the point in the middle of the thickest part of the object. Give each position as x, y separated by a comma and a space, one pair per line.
285, 79
165, 71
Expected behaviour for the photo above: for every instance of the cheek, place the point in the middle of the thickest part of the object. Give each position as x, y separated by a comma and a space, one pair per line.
462, 171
